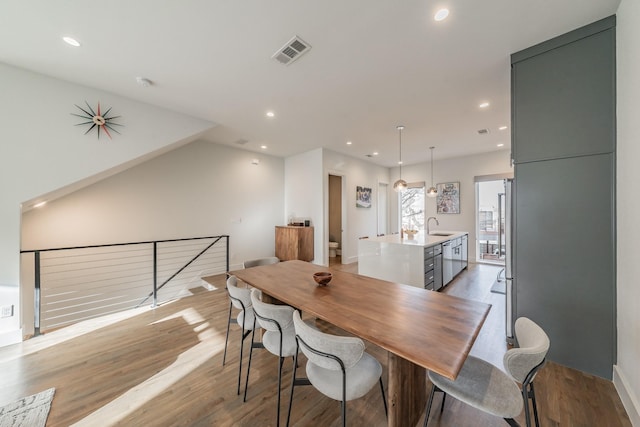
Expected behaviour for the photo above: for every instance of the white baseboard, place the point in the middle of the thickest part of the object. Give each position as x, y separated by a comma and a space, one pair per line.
349, 260
627, 395
11, 337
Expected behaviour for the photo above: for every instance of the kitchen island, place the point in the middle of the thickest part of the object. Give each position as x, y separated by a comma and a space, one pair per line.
425, 261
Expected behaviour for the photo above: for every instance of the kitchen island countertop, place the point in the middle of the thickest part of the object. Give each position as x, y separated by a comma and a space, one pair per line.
419, 239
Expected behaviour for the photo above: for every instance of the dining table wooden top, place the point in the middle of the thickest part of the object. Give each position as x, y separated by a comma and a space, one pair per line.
430, 329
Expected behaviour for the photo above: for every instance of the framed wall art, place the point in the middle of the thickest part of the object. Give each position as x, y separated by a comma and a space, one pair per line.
363, 197
448, 199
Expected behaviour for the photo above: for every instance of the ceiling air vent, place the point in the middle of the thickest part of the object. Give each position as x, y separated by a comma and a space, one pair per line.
291, 51
483, 131
241, 141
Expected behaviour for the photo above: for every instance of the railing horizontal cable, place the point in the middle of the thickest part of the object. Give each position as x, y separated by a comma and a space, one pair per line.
82, 282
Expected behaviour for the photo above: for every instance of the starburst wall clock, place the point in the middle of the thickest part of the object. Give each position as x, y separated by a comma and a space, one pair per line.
97, 120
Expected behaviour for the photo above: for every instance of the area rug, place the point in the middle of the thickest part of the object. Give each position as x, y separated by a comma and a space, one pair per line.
30, 411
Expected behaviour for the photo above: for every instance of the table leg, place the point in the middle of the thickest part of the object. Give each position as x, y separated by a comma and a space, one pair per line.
407, 391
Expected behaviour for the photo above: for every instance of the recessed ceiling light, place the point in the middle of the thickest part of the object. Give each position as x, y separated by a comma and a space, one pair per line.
502, 128
264, 147
484, 105
71, 41
40, 204
400, 162
500, 145
441, 15
349, 142
271, 114
375, 153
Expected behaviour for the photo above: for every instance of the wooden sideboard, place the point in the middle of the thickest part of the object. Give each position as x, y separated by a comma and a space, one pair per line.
294, 243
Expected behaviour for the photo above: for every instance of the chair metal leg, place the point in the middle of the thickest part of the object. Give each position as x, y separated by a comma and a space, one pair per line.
344, 396
525, 399
226, 341
242, 337
512, 422
293, 384
532, 393
444, 397
429, 403
246, 383
384, 399
279, 386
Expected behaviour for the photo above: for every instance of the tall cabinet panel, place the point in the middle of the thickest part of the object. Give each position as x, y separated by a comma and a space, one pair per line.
564, 262
559, 109
563, 124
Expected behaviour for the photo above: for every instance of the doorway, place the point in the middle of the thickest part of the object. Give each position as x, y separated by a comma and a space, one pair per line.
490, 214
335, 220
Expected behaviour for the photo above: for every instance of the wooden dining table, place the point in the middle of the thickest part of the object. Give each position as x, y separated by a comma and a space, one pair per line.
420, 329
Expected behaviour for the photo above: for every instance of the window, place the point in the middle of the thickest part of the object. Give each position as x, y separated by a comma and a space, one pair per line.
490, 211
412, 207
486, 220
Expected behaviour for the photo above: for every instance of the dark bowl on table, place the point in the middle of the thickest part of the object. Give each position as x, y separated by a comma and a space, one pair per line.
322, 278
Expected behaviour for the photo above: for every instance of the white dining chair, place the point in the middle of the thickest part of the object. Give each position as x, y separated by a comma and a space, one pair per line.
279, 337
337, 366
261, 261
240, 298
486, 387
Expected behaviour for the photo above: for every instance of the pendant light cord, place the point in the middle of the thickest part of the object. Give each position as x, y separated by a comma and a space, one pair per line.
400, 185
432, 192
400, 132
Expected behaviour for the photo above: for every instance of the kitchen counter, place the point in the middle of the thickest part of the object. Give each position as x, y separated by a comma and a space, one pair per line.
403, 260
420, 239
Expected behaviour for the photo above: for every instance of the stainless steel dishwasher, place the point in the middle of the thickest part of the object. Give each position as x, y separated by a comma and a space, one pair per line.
447, 262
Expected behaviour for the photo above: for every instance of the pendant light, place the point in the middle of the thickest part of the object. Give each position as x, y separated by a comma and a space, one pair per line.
400, 185
432, 192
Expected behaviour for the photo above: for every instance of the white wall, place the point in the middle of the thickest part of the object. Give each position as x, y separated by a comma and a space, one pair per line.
200, 189
307, 196
359, 221
627, 370
42, 150
303, 191
460, 169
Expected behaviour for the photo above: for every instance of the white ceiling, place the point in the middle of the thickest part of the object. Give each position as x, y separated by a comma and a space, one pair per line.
374, 64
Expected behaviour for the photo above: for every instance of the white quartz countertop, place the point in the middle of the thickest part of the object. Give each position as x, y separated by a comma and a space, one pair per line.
420, 239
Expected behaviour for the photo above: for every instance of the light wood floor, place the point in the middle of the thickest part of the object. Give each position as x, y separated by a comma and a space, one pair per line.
163, 367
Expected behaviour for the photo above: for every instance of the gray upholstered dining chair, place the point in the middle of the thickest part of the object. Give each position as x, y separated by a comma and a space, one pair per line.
240, 298
279, 337
261, 261
337, 366
486, 387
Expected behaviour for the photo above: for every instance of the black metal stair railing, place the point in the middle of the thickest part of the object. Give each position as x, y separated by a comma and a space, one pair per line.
76, 283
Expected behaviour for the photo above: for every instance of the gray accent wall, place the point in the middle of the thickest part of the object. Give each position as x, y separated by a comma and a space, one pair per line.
563, 124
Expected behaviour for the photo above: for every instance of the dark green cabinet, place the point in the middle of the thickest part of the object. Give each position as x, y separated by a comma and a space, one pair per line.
563, 145
561, 98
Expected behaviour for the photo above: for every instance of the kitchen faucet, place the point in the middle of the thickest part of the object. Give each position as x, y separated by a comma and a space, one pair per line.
429, 219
